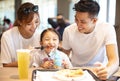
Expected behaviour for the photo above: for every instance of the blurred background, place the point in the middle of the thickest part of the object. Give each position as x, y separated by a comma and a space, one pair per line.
50, 8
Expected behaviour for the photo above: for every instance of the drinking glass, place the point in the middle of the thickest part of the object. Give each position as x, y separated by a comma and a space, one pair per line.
23, 62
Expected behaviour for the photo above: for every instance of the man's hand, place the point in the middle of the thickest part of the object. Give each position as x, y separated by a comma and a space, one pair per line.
101, 71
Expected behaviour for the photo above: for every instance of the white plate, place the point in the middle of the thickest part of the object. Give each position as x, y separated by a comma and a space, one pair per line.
85, 77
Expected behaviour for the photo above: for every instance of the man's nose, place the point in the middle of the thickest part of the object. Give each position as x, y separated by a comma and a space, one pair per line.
79, 24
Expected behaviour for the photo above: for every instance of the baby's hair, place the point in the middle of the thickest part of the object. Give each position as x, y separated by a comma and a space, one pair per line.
52, 30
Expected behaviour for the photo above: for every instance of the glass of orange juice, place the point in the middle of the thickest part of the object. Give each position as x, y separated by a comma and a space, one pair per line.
23, 62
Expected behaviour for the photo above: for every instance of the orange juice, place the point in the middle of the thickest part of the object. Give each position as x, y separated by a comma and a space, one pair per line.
23, 63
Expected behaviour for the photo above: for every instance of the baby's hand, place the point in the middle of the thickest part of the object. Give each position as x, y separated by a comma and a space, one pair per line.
48, 64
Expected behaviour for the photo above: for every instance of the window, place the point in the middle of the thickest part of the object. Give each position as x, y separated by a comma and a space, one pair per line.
47, 8
107, 12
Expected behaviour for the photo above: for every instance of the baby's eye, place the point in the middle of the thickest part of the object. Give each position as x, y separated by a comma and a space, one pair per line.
47, 39
54, 39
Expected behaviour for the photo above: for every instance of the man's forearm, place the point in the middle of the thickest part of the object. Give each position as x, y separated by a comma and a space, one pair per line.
112, 68
65, 51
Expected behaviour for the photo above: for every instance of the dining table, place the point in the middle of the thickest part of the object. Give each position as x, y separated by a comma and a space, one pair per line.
11, 74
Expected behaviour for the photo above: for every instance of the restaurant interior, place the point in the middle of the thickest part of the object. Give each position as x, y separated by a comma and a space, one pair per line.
50, 8
110, 12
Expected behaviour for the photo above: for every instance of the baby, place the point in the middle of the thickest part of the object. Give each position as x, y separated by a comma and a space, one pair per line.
50, 57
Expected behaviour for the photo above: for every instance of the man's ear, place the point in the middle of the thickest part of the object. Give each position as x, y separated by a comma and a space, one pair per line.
95, 20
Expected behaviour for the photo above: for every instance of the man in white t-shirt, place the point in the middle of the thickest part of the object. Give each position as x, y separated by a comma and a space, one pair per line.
91, 41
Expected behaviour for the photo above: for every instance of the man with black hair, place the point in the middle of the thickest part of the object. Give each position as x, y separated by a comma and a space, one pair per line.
92, 42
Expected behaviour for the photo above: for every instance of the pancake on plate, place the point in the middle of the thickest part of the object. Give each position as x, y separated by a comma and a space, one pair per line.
70, 72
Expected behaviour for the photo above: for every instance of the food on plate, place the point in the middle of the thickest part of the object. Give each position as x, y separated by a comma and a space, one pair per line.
71, 72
